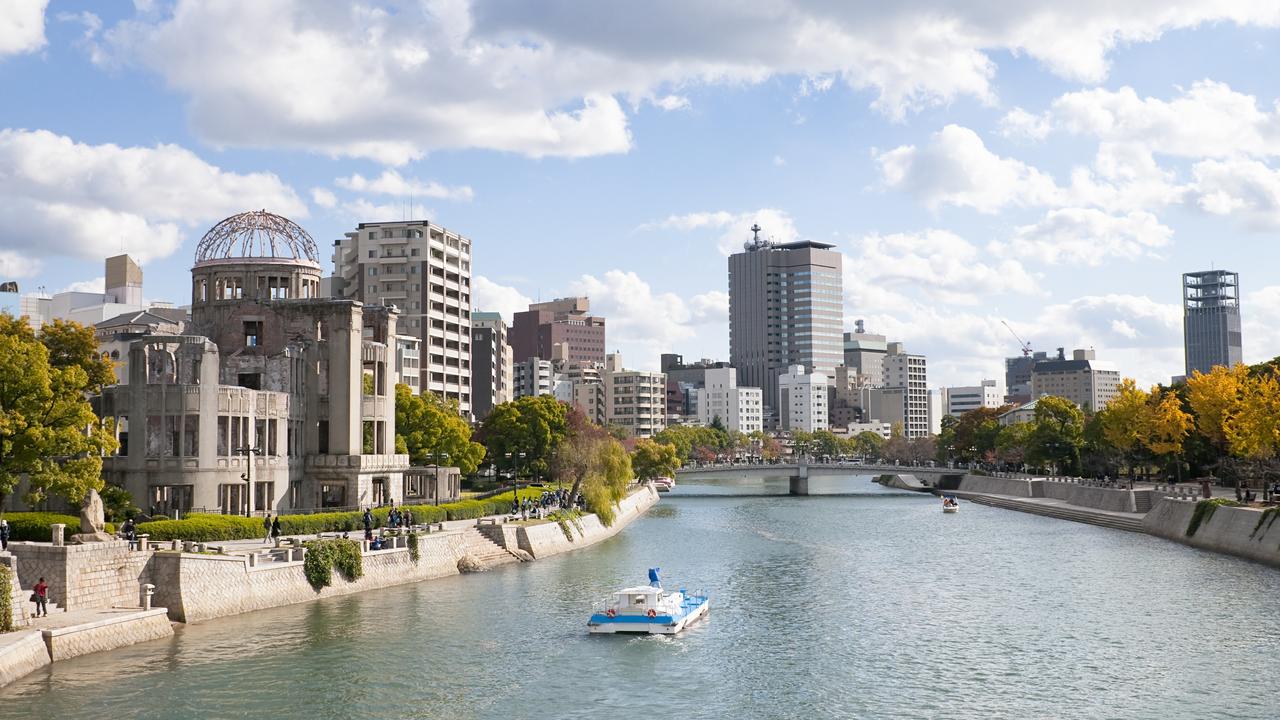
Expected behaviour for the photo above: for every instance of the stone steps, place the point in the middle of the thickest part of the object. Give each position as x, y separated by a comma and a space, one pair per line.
1062, 513
486, 550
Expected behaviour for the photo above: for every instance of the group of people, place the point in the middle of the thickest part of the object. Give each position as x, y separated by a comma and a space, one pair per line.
539, 509
397, 518
270, 527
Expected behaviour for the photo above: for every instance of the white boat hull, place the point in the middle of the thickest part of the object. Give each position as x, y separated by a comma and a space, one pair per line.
650, 628
952, 509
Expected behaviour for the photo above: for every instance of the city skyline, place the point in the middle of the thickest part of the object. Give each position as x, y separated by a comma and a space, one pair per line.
1063, 190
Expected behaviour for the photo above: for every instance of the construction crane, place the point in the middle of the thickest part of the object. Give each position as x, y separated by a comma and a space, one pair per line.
1026, 346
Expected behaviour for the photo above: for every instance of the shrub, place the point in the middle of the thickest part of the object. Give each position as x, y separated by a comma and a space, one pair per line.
1204, 511
38, 526
6, 599
1268, 516
414, 553
203, 528
325, 555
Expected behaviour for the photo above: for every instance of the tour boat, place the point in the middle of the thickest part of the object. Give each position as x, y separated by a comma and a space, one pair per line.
664, 484
950, 504
649, 609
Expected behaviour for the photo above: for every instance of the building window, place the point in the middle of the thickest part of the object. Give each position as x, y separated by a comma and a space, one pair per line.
252, 333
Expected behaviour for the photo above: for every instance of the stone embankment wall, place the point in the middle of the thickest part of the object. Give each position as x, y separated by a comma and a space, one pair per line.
1098, 498
85, 576
128, 628
1016, 487
549, 538
21, 653
1230, 530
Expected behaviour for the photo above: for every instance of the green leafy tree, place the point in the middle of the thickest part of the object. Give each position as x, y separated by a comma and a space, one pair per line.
654, 460
428, 425
825, 442
868, 444
594, 463
975, 434
534, 425
1012, 442
48, 431
1058, 434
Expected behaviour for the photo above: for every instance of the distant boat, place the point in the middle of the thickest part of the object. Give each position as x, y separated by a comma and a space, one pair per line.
664, 484
649, 609
950, 504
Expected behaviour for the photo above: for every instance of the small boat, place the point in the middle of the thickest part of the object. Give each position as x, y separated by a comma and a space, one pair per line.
649, 609
664, 484
950, 504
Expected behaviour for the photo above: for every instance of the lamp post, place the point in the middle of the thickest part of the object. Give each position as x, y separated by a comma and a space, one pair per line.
247, 476
515, 458
435, 491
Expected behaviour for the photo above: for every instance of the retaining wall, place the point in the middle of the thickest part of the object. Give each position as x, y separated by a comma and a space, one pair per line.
129, 628
1113, 499
549, 538
85, 576
1017, 487
1229, 530
21, 653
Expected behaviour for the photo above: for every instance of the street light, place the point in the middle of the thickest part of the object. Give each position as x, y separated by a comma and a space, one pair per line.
247, 476
515, 476
435, 491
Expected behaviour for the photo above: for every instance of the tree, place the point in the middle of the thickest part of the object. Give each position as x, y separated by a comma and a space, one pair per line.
1123, 420
868, 444
534, 425
654, 460
801, 443
717, 424
825, 442
596, 465
1166, 426
1012, 443
1057, 435
431, 428
48, 431
975, 433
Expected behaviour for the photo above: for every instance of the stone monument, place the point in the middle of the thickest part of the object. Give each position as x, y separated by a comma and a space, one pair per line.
91, 521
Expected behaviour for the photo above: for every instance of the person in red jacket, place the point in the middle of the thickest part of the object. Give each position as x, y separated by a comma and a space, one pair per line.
41, 596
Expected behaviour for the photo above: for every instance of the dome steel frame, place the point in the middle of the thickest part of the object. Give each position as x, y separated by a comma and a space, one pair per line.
257, 234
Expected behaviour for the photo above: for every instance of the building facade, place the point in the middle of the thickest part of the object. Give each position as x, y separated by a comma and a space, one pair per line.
491, 366
1084, 380
1211, 320
564, 323
739, 409
785, 308
635, 400
864, 353
424, 271
273, 400
910, 373
802, 398
962, 399
532, 377
1017, 377
123, 295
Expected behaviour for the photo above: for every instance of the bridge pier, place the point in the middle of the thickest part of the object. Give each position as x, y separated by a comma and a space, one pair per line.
799, 483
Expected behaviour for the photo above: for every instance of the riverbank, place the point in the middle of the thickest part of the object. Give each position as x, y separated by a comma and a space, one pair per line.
192, 587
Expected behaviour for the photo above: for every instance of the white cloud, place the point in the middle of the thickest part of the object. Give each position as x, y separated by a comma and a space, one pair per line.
732, 229
21, 26
1247, 188
362, 210
489, 296
1085, 236
95, 285
672, 102
90, 201
934, 264
643, 324
323, 197
779, 161
956, 168
1260, 320
541, 79
15, 264
1207, 120
1019, 123
391, 182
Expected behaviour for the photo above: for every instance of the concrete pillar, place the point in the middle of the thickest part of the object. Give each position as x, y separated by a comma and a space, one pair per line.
57, 530
142, 542
799, 485
147, 591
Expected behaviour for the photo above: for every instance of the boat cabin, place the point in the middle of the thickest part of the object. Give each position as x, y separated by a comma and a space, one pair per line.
637, 599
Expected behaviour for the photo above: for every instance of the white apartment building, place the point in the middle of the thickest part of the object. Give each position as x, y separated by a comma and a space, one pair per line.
123, 294
533, 377
1084, 380
423, 270
635, 400
409, 362
962, 399
740, 409
802, 400
909, 372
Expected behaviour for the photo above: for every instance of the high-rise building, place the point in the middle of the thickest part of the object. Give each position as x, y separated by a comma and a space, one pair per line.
960, 400
683, 379
909, 372
785, 308
491, 366
635, 400
532, 377
1017, 377
802, 400
563, 322
424, 271
1084, 380
739, 409
1211, 320
864, 352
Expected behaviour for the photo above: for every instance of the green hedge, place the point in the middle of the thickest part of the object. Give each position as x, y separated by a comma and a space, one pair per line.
210, 528
325, 555
38, 526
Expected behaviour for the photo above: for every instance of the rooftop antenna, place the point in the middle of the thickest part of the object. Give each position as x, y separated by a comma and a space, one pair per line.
755, 233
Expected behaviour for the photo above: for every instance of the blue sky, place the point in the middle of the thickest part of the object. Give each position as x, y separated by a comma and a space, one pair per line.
1055, 167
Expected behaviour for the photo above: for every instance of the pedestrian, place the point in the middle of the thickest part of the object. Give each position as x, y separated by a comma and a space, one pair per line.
275, 528
368, 524
4, 536
1239, 494
129, 532
266, 528
408, 518
40, 597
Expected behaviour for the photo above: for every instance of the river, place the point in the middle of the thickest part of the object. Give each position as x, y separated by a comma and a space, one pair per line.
871, 604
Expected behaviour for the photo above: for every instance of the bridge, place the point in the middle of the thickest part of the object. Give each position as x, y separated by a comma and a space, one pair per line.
798, 474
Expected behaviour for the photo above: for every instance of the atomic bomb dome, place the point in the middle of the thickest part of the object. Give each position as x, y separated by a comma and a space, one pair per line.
257, 234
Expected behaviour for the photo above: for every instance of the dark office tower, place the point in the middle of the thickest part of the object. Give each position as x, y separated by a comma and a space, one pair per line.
1211, 319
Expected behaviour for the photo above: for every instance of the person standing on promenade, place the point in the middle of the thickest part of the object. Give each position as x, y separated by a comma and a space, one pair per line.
266, 528
408, 518
129, 532
275, 528
368, 524
4, 536
41, 598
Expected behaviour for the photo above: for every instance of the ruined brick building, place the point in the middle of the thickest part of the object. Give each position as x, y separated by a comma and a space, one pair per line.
273, 399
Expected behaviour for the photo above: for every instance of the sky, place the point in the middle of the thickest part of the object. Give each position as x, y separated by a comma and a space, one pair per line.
1055, 166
